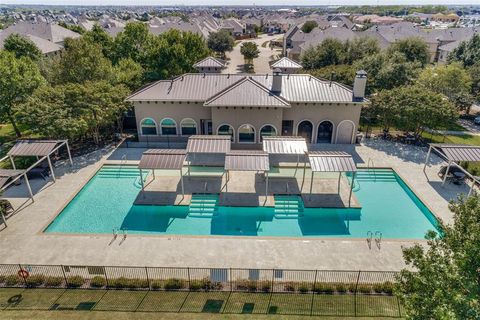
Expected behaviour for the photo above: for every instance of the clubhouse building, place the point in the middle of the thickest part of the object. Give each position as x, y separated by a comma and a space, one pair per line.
249, 106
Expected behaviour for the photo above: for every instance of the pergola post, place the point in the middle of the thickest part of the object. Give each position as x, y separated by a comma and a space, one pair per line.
69, 154
12, 162
4, 220
446, 172
51, 168
227, 176
266, 185
181, 181
351, 190
339, 177
311, 182
428, 157
304, 170
28, 186
141, 179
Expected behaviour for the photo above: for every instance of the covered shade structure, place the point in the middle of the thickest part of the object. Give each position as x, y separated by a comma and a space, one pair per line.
208, 144
332, 161
247, 160
166, 159
453, 153
285, 145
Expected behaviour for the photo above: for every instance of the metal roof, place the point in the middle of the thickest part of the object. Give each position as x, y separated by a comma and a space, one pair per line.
286, 63
163, 159
331, 161
458, 152
202, 87
284, 145
33, 148
7, 173
208, 144
246, 93
247, 160
209, 62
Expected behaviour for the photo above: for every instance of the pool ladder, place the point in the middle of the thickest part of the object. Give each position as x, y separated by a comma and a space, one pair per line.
371, 164
378, 239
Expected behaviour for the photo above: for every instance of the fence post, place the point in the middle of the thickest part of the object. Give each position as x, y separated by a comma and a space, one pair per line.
313, 292
230, 279
355, 294
106, 278
148, 279
64, 276
188, 273
23, 275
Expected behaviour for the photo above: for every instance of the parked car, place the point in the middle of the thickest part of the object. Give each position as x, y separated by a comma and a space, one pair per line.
476, 120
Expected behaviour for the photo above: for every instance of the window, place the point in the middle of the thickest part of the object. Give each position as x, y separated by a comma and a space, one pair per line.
287, 128
148, 127
168, 127
267, 131
225, 130
188, 127
246, 134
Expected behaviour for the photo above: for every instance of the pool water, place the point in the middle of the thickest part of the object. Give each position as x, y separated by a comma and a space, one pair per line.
106, 202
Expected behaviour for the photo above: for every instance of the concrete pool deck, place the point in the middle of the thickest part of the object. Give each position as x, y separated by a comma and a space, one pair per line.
23, 240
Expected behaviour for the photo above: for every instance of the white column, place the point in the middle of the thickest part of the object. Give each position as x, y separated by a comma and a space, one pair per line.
28, 186
51, 168
428, 158
181, 180
266, 185
13, 163
69, 154
446, 172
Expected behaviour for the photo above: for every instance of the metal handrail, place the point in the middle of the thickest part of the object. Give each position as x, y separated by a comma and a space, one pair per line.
369, 163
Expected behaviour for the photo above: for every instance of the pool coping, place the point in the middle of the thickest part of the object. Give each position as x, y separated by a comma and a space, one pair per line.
42, 232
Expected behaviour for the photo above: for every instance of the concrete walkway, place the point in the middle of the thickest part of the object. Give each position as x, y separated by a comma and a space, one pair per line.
23, 240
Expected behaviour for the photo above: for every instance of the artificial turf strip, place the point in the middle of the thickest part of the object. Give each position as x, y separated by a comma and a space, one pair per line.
200, 302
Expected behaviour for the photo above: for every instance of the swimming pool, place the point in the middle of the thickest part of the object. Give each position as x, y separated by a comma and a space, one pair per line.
106, 202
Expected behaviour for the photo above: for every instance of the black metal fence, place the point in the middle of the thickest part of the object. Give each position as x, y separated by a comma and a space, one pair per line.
226, 290
197, 279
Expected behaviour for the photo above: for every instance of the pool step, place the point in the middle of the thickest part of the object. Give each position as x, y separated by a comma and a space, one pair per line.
377, 176
287, 207
203, 205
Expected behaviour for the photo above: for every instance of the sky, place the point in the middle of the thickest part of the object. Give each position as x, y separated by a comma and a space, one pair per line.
240, 2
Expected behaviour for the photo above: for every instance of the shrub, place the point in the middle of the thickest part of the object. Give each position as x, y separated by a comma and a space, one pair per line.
289, 286
138, 283
324, 288
36, 280
174, 284
156, 285
196, 285
364, 288
378, 287
2, 278
53, 281
352, 287
304, 287
341, 287
12, 280
388, 287
246, 285
98, 282
75, 281
126, 283
265, 286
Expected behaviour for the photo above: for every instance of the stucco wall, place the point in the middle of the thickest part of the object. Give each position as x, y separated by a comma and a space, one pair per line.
257, 117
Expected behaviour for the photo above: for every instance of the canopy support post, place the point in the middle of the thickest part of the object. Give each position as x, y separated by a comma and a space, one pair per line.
141, 180
304, 171
69, 154
351, 190
428, 157
4, 220
311, 184
471, 188
12, 162
51, 168
266, 185
338, 186
446, 172
181, 181
28, 186
296, 167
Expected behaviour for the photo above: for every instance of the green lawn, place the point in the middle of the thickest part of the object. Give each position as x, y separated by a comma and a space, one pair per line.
462, 139
114, 304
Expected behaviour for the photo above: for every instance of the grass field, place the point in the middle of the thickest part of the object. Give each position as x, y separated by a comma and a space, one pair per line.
74, 304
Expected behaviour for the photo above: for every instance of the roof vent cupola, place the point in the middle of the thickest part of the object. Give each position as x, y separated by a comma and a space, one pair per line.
359, 85
277, 81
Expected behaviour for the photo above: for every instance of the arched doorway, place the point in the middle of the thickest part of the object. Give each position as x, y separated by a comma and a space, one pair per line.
324, 132
345, 131
305, 129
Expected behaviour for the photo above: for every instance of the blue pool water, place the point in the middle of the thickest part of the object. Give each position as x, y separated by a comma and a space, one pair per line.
106, 202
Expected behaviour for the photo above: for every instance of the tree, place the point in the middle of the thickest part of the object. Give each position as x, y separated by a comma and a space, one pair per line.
468, 52
342, 73
474, 72
330, 52
72, 27
360, 47
250, 51
308, 26
128, 73
132, 42
20, 77
99, 36
172, 53
81, 61
412, 108
444, 282
22, 47
414, 49
221, 42
451, 80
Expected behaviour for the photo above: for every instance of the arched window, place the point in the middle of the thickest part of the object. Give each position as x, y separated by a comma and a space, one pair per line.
267, 131
168, 127
225, 130
246, 134
188, 127
324, 133
148, 127
305, 129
